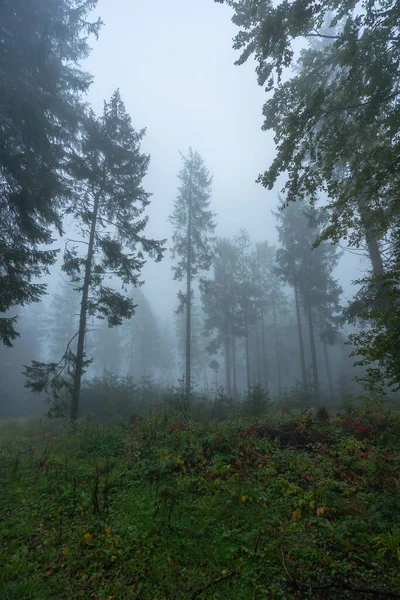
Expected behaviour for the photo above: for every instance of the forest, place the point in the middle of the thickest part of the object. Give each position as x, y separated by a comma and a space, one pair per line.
200, 299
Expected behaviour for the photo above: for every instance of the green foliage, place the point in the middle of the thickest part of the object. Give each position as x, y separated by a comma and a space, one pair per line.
192, 219
256, 401
170, 508
42, 43
322, 414
335, 121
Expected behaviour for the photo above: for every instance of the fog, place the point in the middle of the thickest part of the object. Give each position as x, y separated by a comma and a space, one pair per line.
173, 63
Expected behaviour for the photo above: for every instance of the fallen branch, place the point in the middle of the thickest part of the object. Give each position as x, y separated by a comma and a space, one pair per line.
232, 573
205, 587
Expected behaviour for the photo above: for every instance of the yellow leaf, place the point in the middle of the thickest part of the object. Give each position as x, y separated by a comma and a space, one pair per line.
321, 510
108, 531
87, 537
312, 504
66, 550
296, 515
243, 498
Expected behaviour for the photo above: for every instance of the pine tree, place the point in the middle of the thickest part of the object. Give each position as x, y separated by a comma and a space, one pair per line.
193, 239
109, 202
220, 298
41, 44
247, 291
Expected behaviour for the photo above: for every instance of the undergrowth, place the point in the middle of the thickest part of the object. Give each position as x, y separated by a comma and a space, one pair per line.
168, 508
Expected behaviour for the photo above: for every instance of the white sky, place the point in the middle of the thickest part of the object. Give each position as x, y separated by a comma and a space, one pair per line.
174, 64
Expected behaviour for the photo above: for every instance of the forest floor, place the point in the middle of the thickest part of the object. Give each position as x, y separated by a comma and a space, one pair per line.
170, 509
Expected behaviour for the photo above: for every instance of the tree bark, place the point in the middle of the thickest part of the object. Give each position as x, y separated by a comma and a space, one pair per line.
312, 347
235, 394
263, 342
188, 381
247, 357
227, 367
300, 336
83, 315
328, 370
277, 350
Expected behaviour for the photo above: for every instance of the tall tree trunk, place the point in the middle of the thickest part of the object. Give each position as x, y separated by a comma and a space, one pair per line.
131, 353
188, 382
83, 315
375, 255
264, 350
312, 347
328, 369
277, 350
227, 367
258, 354
235, 394
263, 342
247, 357
300, 335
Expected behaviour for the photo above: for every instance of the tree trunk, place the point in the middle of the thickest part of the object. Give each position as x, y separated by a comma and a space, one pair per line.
83, 314
235, 394
312, 348
328, 370
227, 367
258, 354
264, 350
247, 357
375, 255
188, 382
300, 335
277, 350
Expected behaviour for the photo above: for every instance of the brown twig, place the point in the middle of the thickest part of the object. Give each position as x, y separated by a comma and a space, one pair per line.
232, 573
284, 561
205, 587
257, 540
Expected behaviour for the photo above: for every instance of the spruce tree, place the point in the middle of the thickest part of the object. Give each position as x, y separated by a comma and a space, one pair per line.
221, 296
193, 240
108, 170
41, 84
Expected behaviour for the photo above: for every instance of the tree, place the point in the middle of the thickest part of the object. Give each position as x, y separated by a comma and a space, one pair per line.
309, 272
193, 225
271, 302
336, 124
220, 299
142, 339
41, 44
108, 170
246, 288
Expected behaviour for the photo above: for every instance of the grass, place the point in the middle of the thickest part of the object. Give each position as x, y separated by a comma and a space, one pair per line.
173, 509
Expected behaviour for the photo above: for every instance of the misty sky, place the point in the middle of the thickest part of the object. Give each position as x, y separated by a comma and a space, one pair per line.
174, 64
